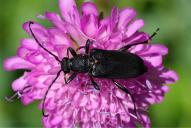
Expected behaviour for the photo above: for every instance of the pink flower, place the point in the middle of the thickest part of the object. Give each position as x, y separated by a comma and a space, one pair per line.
78, 103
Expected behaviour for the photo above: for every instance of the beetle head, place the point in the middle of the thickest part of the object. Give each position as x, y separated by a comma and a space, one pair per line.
65, 65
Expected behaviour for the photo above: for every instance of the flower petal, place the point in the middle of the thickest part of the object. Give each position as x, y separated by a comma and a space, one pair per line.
135, 26
40, 33
15, 63
19, 83
56, 120
23, 52
56, 20
26, 100
170, 76
114, 18
102, 33
69, 11
154, 50
59, 38
89, 8
90, 25
37, 29
76, 34
125, 16
154, 60
29, 44
35, 58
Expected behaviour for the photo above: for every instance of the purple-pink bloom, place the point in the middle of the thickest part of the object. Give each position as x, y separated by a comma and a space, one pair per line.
78, 103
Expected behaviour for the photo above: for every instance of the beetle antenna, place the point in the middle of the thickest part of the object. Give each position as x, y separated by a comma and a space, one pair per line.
33, 35
43, 104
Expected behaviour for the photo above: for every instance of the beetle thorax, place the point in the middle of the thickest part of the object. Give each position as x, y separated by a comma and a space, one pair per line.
80, 63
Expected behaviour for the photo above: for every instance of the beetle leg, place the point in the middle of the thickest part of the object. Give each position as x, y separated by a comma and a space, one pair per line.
72, 51
126, 91
154, 33
87, 47
70, 78
130, 45
94, 83
80, 48
144, 42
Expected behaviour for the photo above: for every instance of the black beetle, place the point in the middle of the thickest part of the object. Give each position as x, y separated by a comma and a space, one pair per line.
98, 63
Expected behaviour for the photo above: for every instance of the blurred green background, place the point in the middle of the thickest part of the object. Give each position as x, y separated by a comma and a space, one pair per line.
172, 16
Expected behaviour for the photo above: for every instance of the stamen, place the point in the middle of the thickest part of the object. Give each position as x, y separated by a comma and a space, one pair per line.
95, 91
98, 125
10, 99
66, 102
83, 92
148, 83
40, 16
147, 111
134, 116
17, 94
105, 113
140, 83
